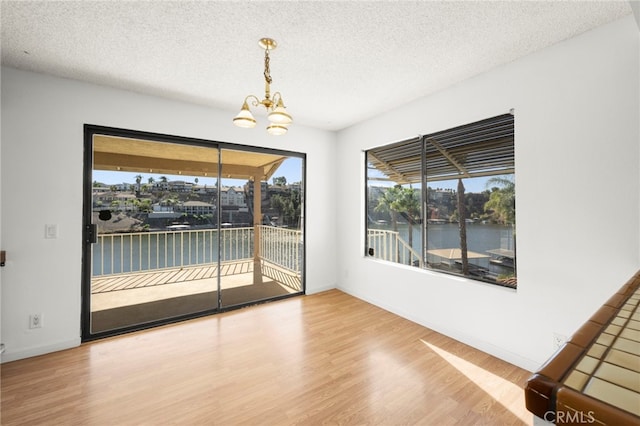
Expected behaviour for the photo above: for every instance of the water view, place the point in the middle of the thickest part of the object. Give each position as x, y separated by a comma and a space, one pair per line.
122, 253
490, 241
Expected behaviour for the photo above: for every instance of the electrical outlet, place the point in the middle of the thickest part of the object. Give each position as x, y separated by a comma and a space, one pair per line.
558, 340
35, 321
51, 231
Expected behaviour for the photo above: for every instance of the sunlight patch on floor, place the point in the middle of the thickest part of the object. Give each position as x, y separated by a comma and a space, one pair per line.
501, 390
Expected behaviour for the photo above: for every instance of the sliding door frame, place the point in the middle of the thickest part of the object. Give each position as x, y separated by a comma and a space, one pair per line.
89, 233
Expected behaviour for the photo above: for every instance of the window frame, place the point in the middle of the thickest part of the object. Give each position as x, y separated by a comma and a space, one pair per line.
481, 149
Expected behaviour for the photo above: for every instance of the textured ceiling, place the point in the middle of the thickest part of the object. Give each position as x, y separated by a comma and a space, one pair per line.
337, 63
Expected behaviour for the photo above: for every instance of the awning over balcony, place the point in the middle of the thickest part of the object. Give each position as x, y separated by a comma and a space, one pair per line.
136, 155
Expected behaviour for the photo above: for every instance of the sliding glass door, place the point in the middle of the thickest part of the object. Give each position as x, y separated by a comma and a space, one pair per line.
261, 226
176, 228
153, 248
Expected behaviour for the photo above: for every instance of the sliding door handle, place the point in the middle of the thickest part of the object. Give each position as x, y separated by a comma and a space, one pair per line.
91, 233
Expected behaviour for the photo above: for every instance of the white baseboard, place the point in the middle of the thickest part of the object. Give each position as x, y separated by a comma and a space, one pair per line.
9, 355
498, 352
320, 289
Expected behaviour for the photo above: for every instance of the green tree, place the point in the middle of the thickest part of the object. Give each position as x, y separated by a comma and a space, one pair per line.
282, 181
172, 201
288, 204
145, 205
502, 200
279, 204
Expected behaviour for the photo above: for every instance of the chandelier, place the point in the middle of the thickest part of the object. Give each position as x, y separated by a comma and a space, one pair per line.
278, 117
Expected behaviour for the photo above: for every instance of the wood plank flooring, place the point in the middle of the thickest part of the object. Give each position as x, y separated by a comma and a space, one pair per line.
327, 358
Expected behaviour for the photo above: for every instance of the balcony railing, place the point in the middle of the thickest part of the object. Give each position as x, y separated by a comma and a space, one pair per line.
387, 245
282, 247
146, 251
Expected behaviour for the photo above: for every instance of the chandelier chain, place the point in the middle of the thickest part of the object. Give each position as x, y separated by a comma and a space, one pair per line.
267, 71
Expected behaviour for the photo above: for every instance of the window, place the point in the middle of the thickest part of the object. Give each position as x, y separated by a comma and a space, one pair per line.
446, 201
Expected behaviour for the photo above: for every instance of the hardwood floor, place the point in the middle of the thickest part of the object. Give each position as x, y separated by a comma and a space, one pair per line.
327, 358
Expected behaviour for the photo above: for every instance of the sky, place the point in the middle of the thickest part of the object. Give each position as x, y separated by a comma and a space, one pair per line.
470, 185
291, 169
475, 185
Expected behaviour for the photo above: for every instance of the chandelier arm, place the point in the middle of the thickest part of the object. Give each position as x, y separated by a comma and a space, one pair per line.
254, 100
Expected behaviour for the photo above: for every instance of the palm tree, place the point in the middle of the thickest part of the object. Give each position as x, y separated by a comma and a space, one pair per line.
462, 224
388, 203
138, 180
408, 204
502, 200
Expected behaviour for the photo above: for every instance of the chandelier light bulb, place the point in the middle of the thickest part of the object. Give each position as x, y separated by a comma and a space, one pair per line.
279, 114
244, 118
276, 129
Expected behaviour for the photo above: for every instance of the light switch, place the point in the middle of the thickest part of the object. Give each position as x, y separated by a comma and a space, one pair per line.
51, 231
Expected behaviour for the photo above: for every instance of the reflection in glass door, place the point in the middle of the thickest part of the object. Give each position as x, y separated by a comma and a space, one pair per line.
261, 214
154, 249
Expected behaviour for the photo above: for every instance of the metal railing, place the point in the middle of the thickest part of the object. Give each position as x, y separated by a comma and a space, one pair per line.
282, 247
387, 245
146, 251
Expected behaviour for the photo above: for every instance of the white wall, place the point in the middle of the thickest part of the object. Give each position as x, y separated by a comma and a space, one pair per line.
42, 175
577, 159
578, 194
